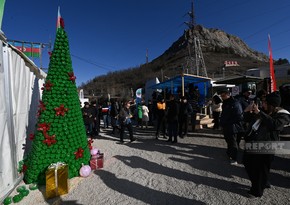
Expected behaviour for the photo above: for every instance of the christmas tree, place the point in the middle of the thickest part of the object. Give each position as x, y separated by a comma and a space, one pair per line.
60, 133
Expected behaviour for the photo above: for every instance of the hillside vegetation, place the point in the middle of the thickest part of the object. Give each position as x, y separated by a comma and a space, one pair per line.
217, 47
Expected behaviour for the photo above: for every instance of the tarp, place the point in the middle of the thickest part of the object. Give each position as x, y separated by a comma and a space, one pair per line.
19, 98
182, 81
177, 81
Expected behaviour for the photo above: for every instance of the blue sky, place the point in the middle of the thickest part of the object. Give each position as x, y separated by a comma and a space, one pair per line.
106, 36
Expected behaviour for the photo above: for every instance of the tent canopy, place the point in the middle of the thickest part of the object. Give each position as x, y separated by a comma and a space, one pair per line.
183, 80
177, 81
236, 80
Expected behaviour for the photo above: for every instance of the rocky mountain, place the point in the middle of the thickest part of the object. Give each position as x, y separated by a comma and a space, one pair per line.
217, 46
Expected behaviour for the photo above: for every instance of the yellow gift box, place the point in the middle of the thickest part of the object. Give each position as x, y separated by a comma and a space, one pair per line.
56, 178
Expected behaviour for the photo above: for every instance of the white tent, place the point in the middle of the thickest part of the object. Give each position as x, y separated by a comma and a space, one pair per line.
20, 83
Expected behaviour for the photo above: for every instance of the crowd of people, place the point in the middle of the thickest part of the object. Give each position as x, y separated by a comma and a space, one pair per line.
252, 119
169, 115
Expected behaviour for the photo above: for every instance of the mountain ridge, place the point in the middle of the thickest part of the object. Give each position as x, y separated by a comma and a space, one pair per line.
217, 46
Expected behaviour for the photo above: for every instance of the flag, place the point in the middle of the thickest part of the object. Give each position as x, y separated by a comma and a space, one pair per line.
29, 49
272, 71
60, 22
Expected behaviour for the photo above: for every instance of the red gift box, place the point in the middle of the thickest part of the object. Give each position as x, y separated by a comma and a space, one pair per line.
93, 163
100, 160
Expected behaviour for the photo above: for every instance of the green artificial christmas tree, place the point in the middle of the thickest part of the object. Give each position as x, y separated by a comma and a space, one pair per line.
60, 133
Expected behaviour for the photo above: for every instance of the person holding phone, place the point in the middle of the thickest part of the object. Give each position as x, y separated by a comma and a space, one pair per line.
265, 125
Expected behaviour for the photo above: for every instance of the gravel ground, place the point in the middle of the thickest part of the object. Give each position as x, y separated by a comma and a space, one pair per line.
193, 171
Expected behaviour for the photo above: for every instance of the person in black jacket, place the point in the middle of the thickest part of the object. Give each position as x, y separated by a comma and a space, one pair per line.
265, 125
231, 122
114, 112
185, 110
151, 112
172, 110
95, 113
193, 99
125, 118
244, 98
88, 117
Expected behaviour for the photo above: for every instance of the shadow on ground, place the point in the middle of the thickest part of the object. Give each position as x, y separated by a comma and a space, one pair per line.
142, 193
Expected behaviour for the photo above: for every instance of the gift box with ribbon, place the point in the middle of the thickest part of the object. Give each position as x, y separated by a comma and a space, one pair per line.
93, 162
100, 160
56, 180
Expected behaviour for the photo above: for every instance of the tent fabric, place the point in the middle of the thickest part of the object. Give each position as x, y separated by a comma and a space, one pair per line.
203, 84
19, 94
177, 81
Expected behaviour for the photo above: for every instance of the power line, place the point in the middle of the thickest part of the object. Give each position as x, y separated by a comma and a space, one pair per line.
225, 8
272, 35
166, 32
257, 15
104, 67
251, 17
265, 28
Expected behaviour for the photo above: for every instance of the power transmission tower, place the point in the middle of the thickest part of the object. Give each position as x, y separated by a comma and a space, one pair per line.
194, 60
191, 22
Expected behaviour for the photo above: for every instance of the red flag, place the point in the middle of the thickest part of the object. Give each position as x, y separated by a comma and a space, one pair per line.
272, 72
60, 22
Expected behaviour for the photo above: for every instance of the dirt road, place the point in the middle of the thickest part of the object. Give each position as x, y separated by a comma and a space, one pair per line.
148, 171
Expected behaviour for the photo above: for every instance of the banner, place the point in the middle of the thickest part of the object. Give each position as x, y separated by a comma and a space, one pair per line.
231, 63
272, 71
29, 49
